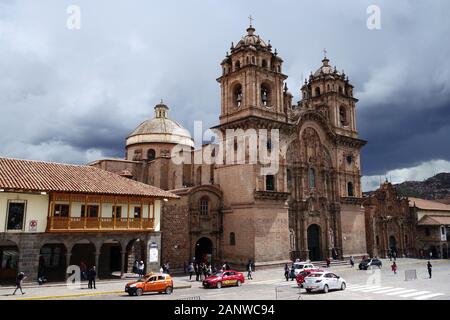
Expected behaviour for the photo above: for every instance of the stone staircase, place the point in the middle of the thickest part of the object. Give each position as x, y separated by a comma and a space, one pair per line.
334, 263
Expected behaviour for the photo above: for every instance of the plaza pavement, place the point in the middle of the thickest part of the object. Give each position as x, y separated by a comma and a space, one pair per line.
269, 284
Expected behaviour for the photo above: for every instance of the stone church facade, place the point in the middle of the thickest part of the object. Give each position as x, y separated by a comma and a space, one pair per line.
310, 208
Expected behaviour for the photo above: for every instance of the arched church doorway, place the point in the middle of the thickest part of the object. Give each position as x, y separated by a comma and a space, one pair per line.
203, 250
393, 244
314, 242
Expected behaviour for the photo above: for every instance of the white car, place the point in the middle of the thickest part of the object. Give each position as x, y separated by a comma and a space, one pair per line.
323, 281
301, 266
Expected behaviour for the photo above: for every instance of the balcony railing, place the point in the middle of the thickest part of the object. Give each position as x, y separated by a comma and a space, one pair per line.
76, 224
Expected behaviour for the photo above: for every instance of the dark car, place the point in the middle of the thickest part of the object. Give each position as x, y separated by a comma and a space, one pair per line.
367, 263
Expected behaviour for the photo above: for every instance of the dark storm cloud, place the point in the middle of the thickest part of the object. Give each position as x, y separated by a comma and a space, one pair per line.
74, 96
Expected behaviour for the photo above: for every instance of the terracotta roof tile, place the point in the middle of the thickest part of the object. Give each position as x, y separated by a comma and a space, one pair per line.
41, 176
428, 204
433, 220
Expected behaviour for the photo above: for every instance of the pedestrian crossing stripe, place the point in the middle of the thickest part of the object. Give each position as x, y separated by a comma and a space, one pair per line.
429, 296
390, 291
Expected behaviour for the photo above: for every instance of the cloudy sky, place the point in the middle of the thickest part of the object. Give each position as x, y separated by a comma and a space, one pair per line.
72, 95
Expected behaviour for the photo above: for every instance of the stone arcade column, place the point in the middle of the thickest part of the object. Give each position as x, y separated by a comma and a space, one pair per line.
122, 264
97, 255
68, 256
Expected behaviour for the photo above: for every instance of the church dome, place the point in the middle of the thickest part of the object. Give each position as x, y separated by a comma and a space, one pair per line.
326, 70
252, 41
160, 129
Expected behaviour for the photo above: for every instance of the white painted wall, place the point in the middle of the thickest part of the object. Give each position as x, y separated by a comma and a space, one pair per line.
36, 209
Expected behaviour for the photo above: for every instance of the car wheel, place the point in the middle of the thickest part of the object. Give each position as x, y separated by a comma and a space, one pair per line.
219, 285
169, 290
343, 286
325, 289
238, 283
139, 292
130, 293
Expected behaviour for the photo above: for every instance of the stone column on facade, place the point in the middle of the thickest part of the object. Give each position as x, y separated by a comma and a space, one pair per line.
375, 252
327, 248
122, 263
305, 249
97, 256
68, 256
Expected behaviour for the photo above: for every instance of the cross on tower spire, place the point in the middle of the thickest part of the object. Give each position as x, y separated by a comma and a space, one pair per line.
251, 20
325, 53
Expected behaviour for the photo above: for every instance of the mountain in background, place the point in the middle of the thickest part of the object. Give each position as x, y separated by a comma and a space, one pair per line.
434, 188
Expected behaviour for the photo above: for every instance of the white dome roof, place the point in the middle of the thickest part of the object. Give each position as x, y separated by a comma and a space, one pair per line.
160, 130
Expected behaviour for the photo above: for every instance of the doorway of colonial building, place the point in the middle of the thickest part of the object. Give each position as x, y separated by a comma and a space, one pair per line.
204, 250
83, 251
110, 259
393, 244
52, 261
314, 243
444, 251
9, 260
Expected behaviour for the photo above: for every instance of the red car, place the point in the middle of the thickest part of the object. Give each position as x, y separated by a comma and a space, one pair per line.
224, 278
302, 275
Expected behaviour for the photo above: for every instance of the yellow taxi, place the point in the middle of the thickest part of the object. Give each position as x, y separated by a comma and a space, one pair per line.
153, 282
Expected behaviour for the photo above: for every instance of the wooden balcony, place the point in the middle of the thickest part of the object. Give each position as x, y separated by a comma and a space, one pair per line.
77, 224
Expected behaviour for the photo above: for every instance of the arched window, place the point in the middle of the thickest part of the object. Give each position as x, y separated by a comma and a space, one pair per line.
378, 240
264, 63
350, 191
247, 60
317, 91
232, 239
312, 178
270, 183
237, 65
253, 60
237, 95
265, 95
204, 206
343, 116
151, 154
289, 178
279, 68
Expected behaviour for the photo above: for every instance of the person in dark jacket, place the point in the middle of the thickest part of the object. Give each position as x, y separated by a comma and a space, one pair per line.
292, 273
328, 262
429, 267
92, 274
286, 272
19, 279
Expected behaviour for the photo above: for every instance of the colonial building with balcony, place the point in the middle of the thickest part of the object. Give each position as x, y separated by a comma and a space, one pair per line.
55, 215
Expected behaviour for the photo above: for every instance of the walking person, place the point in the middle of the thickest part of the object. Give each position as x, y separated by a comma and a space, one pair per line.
394, 267
141, 268
429, 267
352, 261
19, 279
92, 274
395, 255
197, 273
190, 269
328, 260
249, 270
292, 273
136, 267
286, 272
83, 269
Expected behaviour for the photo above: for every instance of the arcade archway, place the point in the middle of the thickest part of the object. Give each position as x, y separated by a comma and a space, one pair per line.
52, 262
9, 260
204, 250
314, 242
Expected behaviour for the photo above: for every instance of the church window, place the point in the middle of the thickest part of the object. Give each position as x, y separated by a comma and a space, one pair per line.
343, 116
289, 178
312, 178
340, 90
204, 207
279, 69
248, 60
232, 239
238, 95
237, 65
317, 91
349, 159
350, 189
264, 63
253, 60
151, 154
269, 144
270, 183
265, 96
328, 87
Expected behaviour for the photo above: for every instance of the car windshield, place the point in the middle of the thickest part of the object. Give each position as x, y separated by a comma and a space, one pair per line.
217, 274
315, 275
298, 266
